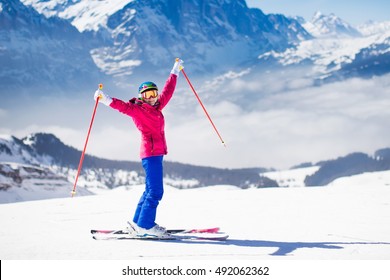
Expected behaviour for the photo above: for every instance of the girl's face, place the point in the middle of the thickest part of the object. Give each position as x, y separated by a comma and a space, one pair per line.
150, 96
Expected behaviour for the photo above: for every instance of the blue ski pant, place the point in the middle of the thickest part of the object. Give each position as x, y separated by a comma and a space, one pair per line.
145, 213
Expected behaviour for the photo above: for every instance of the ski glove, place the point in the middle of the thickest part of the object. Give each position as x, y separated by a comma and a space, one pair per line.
103, 98
177, 67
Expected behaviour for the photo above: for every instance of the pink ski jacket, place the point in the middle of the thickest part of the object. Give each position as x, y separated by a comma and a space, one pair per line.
149, 119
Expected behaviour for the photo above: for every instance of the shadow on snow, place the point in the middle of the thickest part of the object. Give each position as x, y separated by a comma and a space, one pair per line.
283, 248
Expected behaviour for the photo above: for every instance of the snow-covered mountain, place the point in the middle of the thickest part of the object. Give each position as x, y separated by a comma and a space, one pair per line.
22, 182
123, 38
329, 26
26, 175
39, 53
41, 166
338, 50
88, 15
66, 43
148, 34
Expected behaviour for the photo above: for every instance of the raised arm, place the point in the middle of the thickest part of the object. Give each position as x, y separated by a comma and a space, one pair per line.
170, 84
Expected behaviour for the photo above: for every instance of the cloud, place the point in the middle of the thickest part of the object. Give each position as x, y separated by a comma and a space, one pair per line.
289, 127
267, 120
230, 78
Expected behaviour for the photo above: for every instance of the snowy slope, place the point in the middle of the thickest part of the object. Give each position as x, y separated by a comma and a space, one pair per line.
137, 36
293, 177
21, 182
335, 45
40, 53
25, 175
84, 15
44, 156
328, 54
345, 221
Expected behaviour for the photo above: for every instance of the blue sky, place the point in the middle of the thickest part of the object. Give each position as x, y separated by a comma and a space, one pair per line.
354, 12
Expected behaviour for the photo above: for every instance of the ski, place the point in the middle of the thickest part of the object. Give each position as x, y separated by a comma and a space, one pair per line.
170, 231
173, 236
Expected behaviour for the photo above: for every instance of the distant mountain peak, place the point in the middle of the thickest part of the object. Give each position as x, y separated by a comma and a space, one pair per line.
49, 162
84, 15
322, 25
140, 35
41, 137
118, 39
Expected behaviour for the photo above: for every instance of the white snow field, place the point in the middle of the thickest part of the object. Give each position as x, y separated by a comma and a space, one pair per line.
340, 231
347, 220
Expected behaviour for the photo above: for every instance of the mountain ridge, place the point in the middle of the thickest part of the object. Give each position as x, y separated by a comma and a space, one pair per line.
47, 151
134, 37
37, 163
39, 53
113, 40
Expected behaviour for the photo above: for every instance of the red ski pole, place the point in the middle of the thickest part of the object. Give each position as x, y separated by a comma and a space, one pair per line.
86, 142
204, 109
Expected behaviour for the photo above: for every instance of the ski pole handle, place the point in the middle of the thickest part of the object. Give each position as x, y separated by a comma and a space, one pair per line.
100, 88
180, 67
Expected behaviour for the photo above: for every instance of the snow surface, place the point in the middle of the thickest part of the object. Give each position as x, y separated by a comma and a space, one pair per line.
334, 44
347, 220
85, 15
328, 51
293, 177
23, 182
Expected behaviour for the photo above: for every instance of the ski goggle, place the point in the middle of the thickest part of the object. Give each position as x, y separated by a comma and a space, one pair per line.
150, 94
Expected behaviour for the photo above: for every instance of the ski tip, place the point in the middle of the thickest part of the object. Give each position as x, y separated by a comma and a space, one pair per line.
206, 230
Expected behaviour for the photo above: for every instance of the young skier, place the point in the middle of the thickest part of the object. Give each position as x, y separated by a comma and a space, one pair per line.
148, 118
